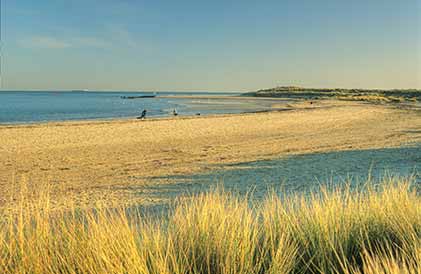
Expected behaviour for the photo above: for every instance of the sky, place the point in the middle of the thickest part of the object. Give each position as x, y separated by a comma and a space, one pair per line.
217, 45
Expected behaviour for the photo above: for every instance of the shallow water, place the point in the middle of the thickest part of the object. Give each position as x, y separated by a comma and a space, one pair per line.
300, 173
27, 107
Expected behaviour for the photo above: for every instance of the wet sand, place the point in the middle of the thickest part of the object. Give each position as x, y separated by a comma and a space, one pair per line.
115, 160
222, 97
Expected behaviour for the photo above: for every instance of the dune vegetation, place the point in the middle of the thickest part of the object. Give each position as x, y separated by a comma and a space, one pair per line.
376, 229
369, 95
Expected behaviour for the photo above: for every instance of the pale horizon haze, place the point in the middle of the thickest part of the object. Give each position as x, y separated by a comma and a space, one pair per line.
131, 45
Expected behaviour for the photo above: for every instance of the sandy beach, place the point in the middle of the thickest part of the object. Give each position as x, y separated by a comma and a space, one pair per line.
108, 160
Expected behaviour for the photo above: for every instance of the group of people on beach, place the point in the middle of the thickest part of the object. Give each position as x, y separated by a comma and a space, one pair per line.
143, 114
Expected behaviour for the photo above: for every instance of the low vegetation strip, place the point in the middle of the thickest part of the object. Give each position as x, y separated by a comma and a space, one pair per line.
374, 230
374, 95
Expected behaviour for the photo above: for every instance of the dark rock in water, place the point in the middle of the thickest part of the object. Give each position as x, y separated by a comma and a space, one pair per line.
136, 97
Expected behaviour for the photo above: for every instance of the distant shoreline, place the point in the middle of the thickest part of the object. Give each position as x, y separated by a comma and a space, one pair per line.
295, 100
128, 119
370, 95
189, 105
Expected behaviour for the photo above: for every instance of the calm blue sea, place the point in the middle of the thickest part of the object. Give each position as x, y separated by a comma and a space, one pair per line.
43, 106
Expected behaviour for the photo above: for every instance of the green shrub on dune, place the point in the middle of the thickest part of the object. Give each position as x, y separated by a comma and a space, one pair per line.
368, 95
341, 231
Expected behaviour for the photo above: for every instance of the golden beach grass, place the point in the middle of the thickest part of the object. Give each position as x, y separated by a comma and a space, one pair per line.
372, 230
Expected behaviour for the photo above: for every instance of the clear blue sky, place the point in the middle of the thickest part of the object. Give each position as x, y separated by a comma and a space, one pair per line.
210, 45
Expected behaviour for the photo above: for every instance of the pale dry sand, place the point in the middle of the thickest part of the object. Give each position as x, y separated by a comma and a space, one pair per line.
114, 160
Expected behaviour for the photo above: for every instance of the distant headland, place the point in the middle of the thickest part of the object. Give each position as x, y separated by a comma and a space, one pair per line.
378, 95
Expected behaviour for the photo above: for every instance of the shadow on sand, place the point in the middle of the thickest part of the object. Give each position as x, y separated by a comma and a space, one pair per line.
299, 173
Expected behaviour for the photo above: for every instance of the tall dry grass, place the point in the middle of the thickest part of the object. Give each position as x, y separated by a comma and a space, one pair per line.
339, 231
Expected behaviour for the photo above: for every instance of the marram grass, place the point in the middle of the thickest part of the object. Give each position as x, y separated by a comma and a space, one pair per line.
340, 231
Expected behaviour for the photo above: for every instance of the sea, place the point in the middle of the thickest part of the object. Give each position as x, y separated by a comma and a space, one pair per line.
18, 107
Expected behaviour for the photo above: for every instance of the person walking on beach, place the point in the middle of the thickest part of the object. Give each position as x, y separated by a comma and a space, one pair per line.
175, 113
143, 115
